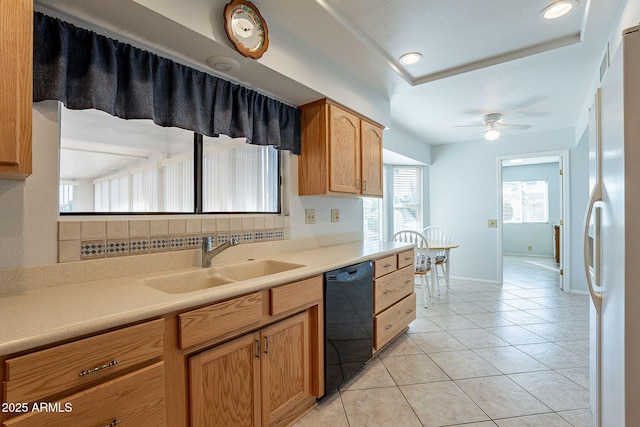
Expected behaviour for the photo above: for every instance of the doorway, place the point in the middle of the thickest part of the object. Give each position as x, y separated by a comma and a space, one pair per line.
533, 215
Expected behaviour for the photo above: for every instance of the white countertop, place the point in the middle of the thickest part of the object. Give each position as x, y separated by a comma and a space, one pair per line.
46, 315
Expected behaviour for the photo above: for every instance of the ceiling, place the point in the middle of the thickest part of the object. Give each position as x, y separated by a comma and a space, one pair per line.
479, 57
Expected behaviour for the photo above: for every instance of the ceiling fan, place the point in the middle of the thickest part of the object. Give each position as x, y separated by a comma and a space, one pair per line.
492, 122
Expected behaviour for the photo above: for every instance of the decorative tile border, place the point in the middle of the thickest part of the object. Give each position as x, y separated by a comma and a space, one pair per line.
92, 249
117, 247
84, 240
138, 246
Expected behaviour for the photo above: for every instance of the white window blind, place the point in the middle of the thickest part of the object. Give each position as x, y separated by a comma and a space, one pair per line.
145, 189
239, 177
407, 198
177, 179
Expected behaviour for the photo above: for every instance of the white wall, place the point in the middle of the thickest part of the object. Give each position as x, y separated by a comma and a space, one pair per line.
29, 209
350, 209
517, 238
464, 195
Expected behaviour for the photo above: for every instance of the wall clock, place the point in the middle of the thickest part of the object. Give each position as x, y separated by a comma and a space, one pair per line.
246, 28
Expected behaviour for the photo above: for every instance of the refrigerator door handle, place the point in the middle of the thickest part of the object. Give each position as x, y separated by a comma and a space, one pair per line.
596, 295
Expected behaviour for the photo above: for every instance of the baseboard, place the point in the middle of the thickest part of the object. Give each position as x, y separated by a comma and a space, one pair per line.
471, 279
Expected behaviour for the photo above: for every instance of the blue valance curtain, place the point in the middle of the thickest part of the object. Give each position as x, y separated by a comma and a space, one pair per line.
83, 70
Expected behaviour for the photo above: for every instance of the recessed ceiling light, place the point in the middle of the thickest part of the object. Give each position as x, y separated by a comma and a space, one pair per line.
410, 58
558, 9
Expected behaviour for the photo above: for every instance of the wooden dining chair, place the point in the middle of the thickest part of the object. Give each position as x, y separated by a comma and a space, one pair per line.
422, 264
434, 234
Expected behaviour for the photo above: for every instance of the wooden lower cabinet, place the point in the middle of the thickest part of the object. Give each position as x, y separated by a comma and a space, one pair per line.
394, 299
135, 399
225, 384
260, 379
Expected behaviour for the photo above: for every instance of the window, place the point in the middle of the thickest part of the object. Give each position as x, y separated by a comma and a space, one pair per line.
525, 201
66, 196
402, 205
110, 165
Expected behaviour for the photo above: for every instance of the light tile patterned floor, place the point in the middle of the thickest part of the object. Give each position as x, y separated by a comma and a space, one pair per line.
481, 355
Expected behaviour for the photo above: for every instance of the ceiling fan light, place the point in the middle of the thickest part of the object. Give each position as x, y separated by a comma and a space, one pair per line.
557, 9
410, 58
491, 135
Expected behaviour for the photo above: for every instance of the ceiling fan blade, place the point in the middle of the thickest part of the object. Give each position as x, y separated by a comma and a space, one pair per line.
469, 126
518, 127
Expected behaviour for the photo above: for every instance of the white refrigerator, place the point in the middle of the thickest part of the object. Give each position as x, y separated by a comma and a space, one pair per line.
612, 240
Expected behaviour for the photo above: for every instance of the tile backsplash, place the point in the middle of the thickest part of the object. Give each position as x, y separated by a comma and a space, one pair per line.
84, 240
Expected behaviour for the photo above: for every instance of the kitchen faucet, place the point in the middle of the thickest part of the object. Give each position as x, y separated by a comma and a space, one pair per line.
208, 251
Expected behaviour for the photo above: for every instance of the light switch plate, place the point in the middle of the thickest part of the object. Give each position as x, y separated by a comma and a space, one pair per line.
335, 215
492, 223
309, 216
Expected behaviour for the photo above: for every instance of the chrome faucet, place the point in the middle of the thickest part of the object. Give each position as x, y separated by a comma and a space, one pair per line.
208, 251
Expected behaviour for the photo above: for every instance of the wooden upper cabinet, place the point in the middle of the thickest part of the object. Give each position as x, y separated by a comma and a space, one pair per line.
16, 87
341, 152
344, 151
371, 149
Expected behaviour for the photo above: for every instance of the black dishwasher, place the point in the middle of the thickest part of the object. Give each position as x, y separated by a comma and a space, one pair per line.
348, 322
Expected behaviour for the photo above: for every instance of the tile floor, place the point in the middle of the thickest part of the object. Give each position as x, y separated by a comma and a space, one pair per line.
481, 355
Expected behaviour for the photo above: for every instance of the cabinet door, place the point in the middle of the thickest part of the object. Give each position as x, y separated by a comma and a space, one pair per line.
371, 149
16, 63
225, 384
344, 151
286, 377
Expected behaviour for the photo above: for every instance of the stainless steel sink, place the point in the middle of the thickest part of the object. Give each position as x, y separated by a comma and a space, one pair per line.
190, 281
253, 269
179, 283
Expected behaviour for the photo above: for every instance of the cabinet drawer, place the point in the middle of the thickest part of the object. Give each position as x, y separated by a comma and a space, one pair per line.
135, 399
207, 323
384, 265
405, 258
295, 295
392, 321
392, 288
81, 363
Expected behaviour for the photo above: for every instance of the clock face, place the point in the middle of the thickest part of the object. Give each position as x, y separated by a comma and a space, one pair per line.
246, 29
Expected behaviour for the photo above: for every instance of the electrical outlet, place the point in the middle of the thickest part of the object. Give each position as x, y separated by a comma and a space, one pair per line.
335, 215
492, 223
309, 216
529, 248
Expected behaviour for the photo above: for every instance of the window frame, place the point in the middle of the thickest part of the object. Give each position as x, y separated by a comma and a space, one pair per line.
198, 186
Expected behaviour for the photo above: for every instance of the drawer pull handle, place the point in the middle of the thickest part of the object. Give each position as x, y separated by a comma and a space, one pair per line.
406, 282
113, 423
387, 292
266, 345
387, 265
257, 349
99, 368
388, 327
409, 311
